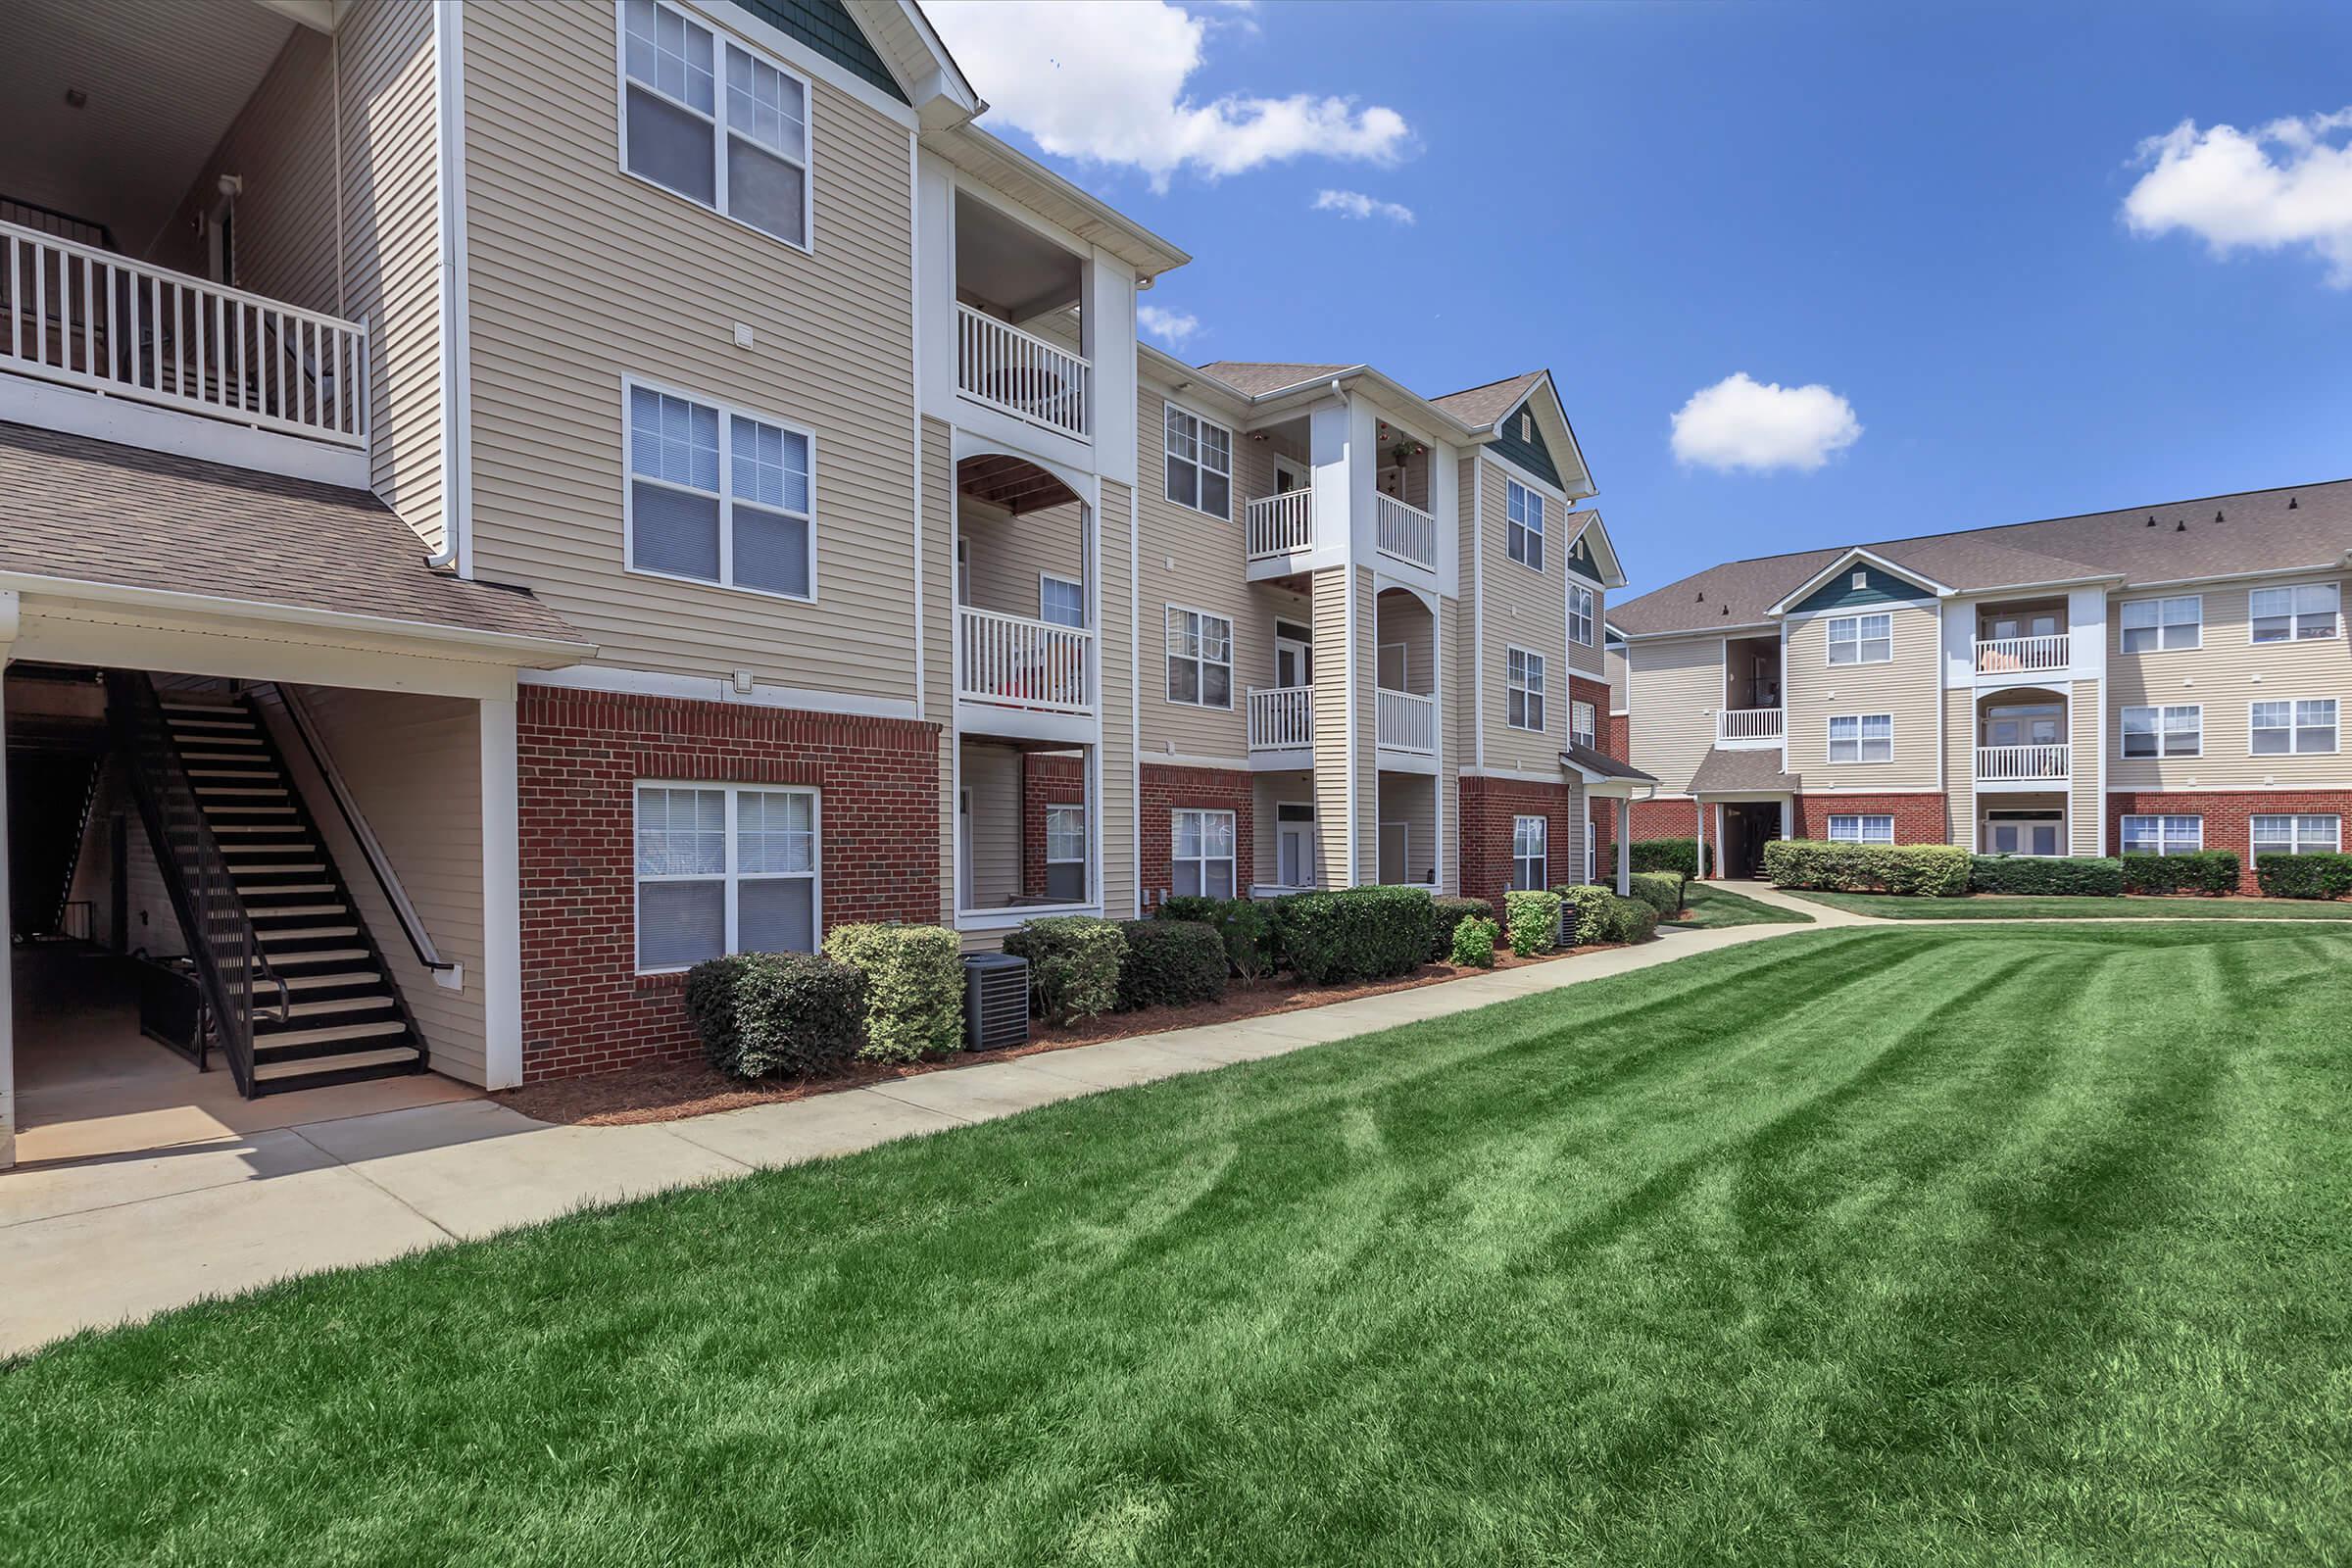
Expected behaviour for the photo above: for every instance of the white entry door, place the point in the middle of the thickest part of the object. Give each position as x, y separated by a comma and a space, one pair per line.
1295, 845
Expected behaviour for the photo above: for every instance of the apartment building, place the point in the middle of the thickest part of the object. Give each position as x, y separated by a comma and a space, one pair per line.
2154, 679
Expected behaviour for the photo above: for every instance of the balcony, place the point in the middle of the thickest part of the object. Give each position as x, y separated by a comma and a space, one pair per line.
2011, 764
2016, 655
1404, 533
1405, 721
1282, 719
1014, 662
1280, 525
85, 317
1022, 375
1748, 726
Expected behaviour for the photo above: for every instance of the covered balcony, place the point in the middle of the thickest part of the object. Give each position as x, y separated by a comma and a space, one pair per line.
1405, 696
2021, 640
1281, 717
1278, 514
1025, 656
1403, 528
2022, 739
1025, 832
1021, 327
1750, 714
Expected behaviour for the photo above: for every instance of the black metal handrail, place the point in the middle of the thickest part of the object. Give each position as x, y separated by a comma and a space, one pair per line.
230, 963
50, 221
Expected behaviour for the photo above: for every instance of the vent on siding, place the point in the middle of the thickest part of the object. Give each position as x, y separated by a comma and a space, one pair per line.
996, 1002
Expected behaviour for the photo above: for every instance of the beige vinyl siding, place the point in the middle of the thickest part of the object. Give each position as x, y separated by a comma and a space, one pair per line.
1401, 617
1412, 800
1367, 748
1454, 704
1524, 609
2082, 816
1960, 772
1269, 790
1118, 666
1613, 670
992, 776
1190, 559
2220, 677
1008, 554
1674, 691
582, 274
1590, 660
938, 633
1909, 686
1333, 813
1462, 658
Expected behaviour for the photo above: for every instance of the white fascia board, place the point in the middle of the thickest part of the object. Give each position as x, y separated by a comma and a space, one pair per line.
1857, 553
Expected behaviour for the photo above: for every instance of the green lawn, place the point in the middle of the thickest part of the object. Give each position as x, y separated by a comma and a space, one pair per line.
1708, 906
2003, 907
2005, 1246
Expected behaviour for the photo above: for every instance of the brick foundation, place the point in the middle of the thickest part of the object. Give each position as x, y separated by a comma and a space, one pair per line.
1161, 792
1046, 780
1487, 806
581, 754
2229, 816
1918, 818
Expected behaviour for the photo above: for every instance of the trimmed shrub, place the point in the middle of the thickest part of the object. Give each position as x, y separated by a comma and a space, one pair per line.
2208, 871
1662, 891
1933, 870
1533, 920
2080, 877
1450, 913
769, 1014
1679, 856
1245, 927
2304, 876
1631, 920
1170, 963
1473, 944
1353, 934
1585, 917
914, 988
1074, 962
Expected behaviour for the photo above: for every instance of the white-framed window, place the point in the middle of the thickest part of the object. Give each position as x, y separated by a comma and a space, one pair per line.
1861, 639
1525, 530
1201, 855
1862, 738
1580, 615
1200, 659
1581, 719
724, 868
2163, 835
1065, 853
2173, 731
2294, 727
718, 495
2299, 834
1862, 829
714, 120
2300, 614
1060, 600
1531, 853
1199, 463
1523, 689
2154, 624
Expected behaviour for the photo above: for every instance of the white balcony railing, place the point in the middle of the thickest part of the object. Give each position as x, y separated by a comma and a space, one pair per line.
1018, 663
1281, 525
1405, 722
1282, 719
1748, 724
1406, 532
2003, 656
2007, 764
1021, 373
90, 318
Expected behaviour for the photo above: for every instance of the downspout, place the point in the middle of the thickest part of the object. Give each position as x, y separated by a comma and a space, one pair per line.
452, 306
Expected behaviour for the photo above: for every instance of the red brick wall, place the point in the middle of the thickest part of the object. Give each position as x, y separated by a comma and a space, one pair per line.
1617, 736
1918, 818
1046, 780
1596, 692
1162, 791
1668, 819
584, 1008
1487, 806
2229, 817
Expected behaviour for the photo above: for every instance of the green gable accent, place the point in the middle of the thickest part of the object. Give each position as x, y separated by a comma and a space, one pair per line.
1877, 588
1533, 456
1580, 558
824, 26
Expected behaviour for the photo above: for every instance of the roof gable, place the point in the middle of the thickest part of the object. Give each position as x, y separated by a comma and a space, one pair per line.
826, 26
1523, 443
1592, 553
1858, 580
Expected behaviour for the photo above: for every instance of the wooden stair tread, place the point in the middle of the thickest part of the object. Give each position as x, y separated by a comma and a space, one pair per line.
304, 1066
328, 1034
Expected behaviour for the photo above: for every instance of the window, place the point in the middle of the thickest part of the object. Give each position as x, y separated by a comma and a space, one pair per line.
1862, 738
2151, 624
1065, 853
1200, 659
723, 868
1199, 463
1862, 830
2024, 833
1060, 600
1580, 723
2297, 835
1861, 639
1580, 615
1202, 855
717, 496
2163, 835
741, 150
2292, 614
1522, 685
1531, 853
1525, 531
2173, 731
2282, 729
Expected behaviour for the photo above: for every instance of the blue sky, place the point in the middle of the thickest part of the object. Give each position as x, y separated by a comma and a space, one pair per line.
1921, 210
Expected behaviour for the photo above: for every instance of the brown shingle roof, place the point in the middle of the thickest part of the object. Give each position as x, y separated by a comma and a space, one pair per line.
1261, 376
1481, 406
1740, 771
95, 512
2286, 529
1591, 761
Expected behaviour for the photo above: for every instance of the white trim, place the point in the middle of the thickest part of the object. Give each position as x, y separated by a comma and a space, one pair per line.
1478, 618
2293, 726
94, 414
2123, 718
2122, 631
1352, 876
915, 354
1511, 526
2122, 831
722, 36
715, 688
2335, 845
1078, 582
1830, 640
1231, 764
784, 46
1168, 612
453, 303
1861, 740
1203, 861
1805, 589
1578, 585
1858, 817
1232, 460
733, 876
1135, 688
727, 413
1519, 821
1541, 691
502, 896
2295, 637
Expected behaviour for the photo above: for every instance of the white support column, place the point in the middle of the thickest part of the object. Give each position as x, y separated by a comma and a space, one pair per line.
8, 999
502, 897
1625, 846
1698, 828
1788, 811
1720, 870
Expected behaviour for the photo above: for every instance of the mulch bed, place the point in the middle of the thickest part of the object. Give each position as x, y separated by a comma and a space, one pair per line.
672, 1090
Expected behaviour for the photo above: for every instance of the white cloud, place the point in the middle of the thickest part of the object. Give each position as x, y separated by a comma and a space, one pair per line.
1739, 422
2280, 186
1103, 80
1355, 204
1168, 327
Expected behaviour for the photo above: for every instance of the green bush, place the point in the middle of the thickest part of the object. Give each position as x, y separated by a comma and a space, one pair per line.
2207, 871
1631, 920
1243, 927
2083, 876
1933, 870
1353, 934
1585, 912
1450, 913
1473, 944
1074, 962
1679, 856
767, 1014
914, 988
1662, 891
1170, 963
1533, 920
2304, 876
